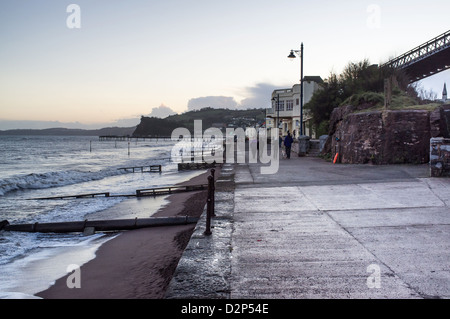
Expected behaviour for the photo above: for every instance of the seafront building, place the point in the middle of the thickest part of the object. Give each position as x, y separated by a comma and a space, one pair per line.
285, 109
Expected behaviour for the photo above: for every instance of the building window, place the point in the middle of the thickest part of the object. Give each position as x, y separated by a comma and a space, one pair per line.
280, 106
289, 105
297, 102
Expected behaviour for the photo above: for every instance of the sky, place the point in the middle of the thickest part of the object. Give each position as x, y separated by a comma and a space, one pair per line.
108, 61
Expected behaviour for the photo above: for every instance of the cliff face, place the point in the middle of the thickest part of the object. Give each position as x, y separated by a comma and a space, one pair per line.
383, 136
152, 126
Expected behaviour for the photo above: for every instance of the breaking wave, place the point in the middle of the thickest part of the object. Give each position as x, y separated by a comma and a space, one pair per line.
52, 179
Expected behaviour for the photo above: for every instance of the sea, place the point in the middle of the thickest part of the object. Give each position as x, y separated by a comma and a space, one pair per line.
33, 167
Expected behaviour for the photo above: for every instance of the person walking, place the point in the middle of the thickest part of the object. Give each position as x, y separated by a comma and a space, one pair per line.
288, 140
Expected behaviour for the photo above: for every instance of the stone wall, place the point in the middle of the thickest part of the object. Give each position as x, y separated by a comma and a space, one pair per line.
383, 136
439, 157
440, 122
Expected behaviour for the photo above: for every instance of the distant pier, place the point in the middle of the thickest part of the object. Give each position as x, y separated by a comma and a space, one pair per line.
104, 138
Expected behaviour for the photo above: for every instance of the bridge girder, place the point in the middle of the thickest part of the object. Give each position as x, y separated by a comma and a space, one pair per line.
429, 66
425, 60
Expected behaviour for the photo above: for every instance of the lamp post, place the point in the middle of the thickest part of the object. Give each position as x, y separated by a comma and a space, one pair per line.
292, 56
277, 106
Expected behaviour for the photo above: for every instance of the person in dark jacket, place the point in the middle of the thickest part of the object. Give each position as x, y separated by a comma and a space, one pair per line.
288, 140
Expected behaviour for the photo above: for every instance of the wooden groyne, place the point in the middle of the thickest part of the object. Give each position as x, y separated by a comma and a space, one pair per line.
143, 169
106, 194
170, 190
194, 166
97, 225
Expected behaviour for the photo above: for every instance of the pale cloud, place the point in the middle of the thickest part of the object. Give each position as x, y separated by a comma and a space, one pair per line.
215, 102
258, 97
162, 111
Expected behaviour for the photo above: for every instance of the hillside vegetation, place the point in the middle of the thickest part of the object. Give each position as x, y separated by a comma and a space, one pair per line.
151, 126
362, 85
372, 101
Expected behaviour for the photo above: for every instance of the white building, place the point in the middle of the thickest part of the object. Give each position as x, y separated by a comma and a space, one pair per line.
286, 107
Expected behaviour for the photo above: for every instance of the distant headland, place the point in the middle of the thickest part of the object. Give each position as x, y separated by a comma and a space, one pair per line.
122, 131
153, 126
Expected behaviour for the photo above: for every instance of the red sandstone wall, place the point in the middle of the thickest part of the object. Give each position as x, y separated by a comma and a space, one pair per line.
380, 137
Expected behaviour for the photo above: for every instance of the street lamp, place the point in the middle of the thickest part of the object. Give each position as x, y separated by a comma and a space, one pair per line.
292, 55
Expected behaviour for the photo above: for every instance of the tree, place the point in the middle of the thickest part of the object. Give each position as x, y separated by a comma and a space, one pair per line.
322, 103
356, 78
361, 77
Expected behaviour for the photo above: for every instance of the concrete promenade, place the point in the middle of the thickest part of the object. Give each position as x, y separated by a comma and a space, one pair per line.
318, 230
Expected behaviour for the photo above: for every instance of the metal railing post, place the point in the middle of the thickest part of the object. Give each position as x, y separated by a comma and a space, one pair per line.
209, 207
213, 197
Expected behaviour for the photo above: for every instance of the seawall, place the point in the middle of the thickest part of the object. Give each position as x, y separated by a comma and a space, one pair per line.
385, 136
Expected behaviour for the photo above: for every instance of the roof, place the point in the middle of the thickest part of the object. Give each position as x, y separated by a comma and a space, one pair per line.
316, 79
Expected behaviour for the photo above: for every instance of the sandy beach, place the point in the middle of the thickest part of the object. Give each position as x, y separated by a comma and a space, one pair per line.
137, 264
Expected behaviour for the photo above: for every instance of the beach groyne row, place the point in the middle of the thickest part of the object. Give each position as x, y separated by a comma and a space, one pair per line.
89, 227
156, 191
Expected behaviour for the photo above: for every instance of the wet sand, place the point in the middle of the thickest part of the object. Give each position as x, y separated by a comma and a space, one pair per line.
137, 264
